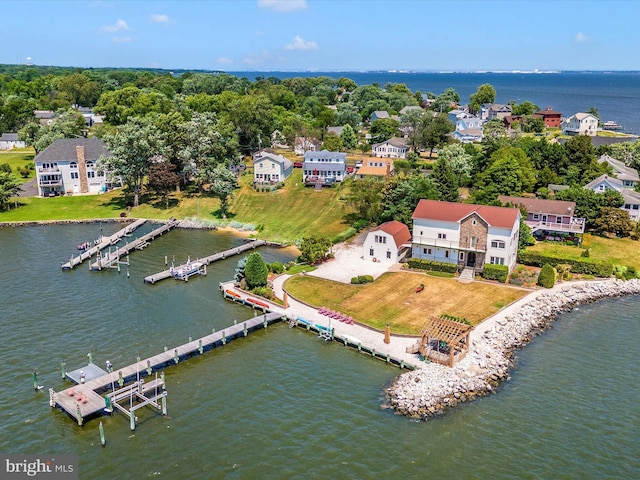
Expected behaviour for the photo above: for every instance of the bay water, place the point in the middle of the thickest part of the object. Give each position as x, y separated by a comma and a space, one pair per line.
281, 403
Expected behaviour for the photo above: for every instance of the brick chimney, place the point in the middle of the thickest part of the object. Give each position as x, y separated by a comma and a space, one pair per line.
82, 169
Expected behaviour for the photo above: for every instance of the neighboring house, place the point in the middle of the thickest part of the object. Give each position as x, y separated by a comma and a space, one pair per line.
551, 118
335, 130
324, 167
628, 176
467, 122
394, 147
469, 135
44, 117
489, 111
631, 197
271, 168
303, 145
408, 108
379, 115
90, 118
456, 114
376, 168
547, 216
466, 235
10, 140
68, 166
387, 243
580, 124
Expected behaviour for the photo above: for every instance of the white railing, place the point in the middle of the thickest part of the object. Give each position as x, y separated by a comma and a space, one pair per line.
452, 244
576, 226
49, 170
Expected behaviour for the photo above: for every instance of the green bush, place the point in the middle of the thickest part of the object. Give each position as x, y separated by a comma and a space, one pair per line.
360, 224
421, 264
586, 253
496, 272
360, 279
276, 267
547, 276
584, 267
264, 292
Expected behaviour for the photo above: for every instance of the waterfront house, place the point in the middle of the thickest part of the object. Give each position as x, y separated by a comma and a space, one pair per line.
389, 242
551, 118
547, 217
580, 124
631, 197
394, 147
323, 167
468, 129
466, 235
68, 166
489, 111
375, 168
270, 168
9, 141
627, 175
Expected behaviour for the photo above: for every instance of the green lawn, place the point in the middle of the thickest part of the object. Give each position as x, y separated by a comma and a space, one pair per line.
17, 158
617, 251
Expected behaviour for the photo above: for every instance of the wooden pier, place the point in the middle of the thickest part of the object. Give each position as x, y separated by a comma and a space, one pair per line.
207, 260
112, 258
104, 243
72, 399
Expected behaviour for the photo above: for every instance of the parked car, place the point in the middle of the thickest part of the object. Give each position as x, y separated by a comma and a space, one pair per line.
297, 164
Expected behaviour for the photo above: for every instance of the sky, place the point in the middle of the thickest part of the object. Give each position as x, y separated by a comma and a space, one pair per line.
323, 35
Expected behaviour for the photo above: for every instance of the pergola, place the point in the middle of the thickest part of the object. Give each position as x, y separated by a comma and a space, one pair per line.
444, 341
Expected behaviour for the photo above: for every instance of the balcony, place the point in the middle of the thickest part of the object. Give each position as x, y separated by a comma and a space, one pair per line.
50, 170
450, 244
576, 226
50, 183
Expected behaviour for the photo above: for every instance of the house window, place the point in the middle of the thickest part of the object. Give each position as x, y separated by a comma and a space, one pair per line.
91, 174
497, 260
74, 175
388, 254
473, 242
461, 255
426, 251
442, 236
371, 252
474, 222
497, 244
536, 216
446, 254
73, 165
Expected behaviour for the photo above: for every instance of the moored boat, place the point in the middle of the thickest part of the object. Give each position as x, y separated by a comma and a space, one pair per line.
611, 125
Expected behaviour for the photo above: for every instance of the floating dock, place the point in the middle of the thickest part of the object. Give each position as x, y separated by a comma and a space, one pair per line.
207, 260
72, 399
112, 258
104, 243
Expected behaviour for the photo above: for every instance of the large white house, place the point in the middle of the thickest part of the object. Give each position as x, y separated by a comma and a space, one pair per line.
387, 243
627, 175
466, 235
631, 197
324, 167
580, 124
68, 166
394, 148
271, 168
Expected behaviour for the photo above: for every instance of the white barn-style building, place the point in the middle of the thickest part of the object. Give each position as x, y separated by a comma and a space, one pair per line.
387, 243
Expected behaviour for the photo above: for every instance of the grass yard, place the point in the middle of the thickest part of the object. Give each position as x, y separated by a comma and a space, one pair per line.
617, 251
18, 158
392, 299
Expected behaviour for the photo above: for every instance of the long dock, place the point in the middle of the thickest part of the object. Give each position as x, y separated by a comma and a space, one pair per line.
207, 260
104, 243
95, 403
112, 258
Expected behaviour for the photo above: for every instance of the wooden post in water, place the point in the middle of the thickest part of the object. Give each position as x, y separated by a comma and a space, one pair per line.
120, 379
79, 415
244, 328
162, 379
63, 373
224, 338
132, 420
164, 405
176, 358
200, 348
148, 367
102, 439
90, 358
35, 380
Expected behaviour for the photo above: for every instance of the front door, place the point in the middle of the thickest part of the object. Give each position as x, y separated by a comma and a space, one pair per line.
471, 259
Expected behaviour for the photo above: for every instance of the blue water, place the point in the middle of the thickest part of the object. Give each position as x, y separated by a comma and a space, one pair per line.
616, 95
281, 403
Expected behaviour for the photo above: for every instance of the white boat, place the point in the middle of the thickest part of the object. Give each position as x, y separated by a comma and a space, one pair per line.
189, 269
611, 125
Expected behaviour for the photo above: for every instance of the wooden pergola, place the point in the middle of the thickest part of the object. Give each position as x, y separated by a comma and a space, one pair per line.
444, 341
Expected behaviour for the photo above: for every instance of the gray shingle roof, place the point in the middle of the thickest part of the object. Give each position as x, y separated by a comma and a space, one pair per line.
9, 137
65, 149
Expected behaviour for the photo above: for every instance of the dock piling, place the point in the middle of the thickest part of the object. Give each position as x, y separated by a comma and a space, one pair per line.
132, 420
102, 439
148, 367
35, 380
79, 415
62, 371
244, 328
200, 348
176, 358
52, 398
224, 338
120, 379
90, 355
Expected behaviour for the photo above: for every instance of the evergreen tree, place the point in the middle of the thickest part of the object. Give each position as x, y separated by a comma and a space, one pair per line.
349, 139
445, 181
256, 271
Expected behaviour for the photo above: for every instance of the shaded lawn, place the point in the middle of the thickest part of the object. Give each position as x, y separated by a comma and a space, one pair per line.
617, 251
392, 299
17, 158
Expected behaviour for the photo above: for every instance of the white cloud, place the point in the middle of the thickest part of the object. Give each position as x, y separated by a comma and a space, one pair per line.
121, 39
119, 26
581, 38
283, 5
224, 60
257, 58
300, 44
159, 18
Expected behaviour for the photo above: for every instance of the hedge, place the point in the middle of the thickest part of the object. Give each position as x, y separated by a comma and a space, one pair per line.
586, 267
421, 264
496, 272
360, 279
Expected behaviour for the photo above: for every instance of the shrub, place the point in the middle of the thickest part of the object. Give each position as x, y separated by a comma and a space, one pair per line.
276, 267
360, 279
421, 264
547, 276
5, 167
586, 253
360, 224
496, 272
584, 267
516, 281
264, 292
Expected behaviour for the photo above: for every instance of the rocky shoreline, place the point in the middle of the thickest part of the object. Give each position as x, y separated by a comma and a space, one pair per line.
430, 391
